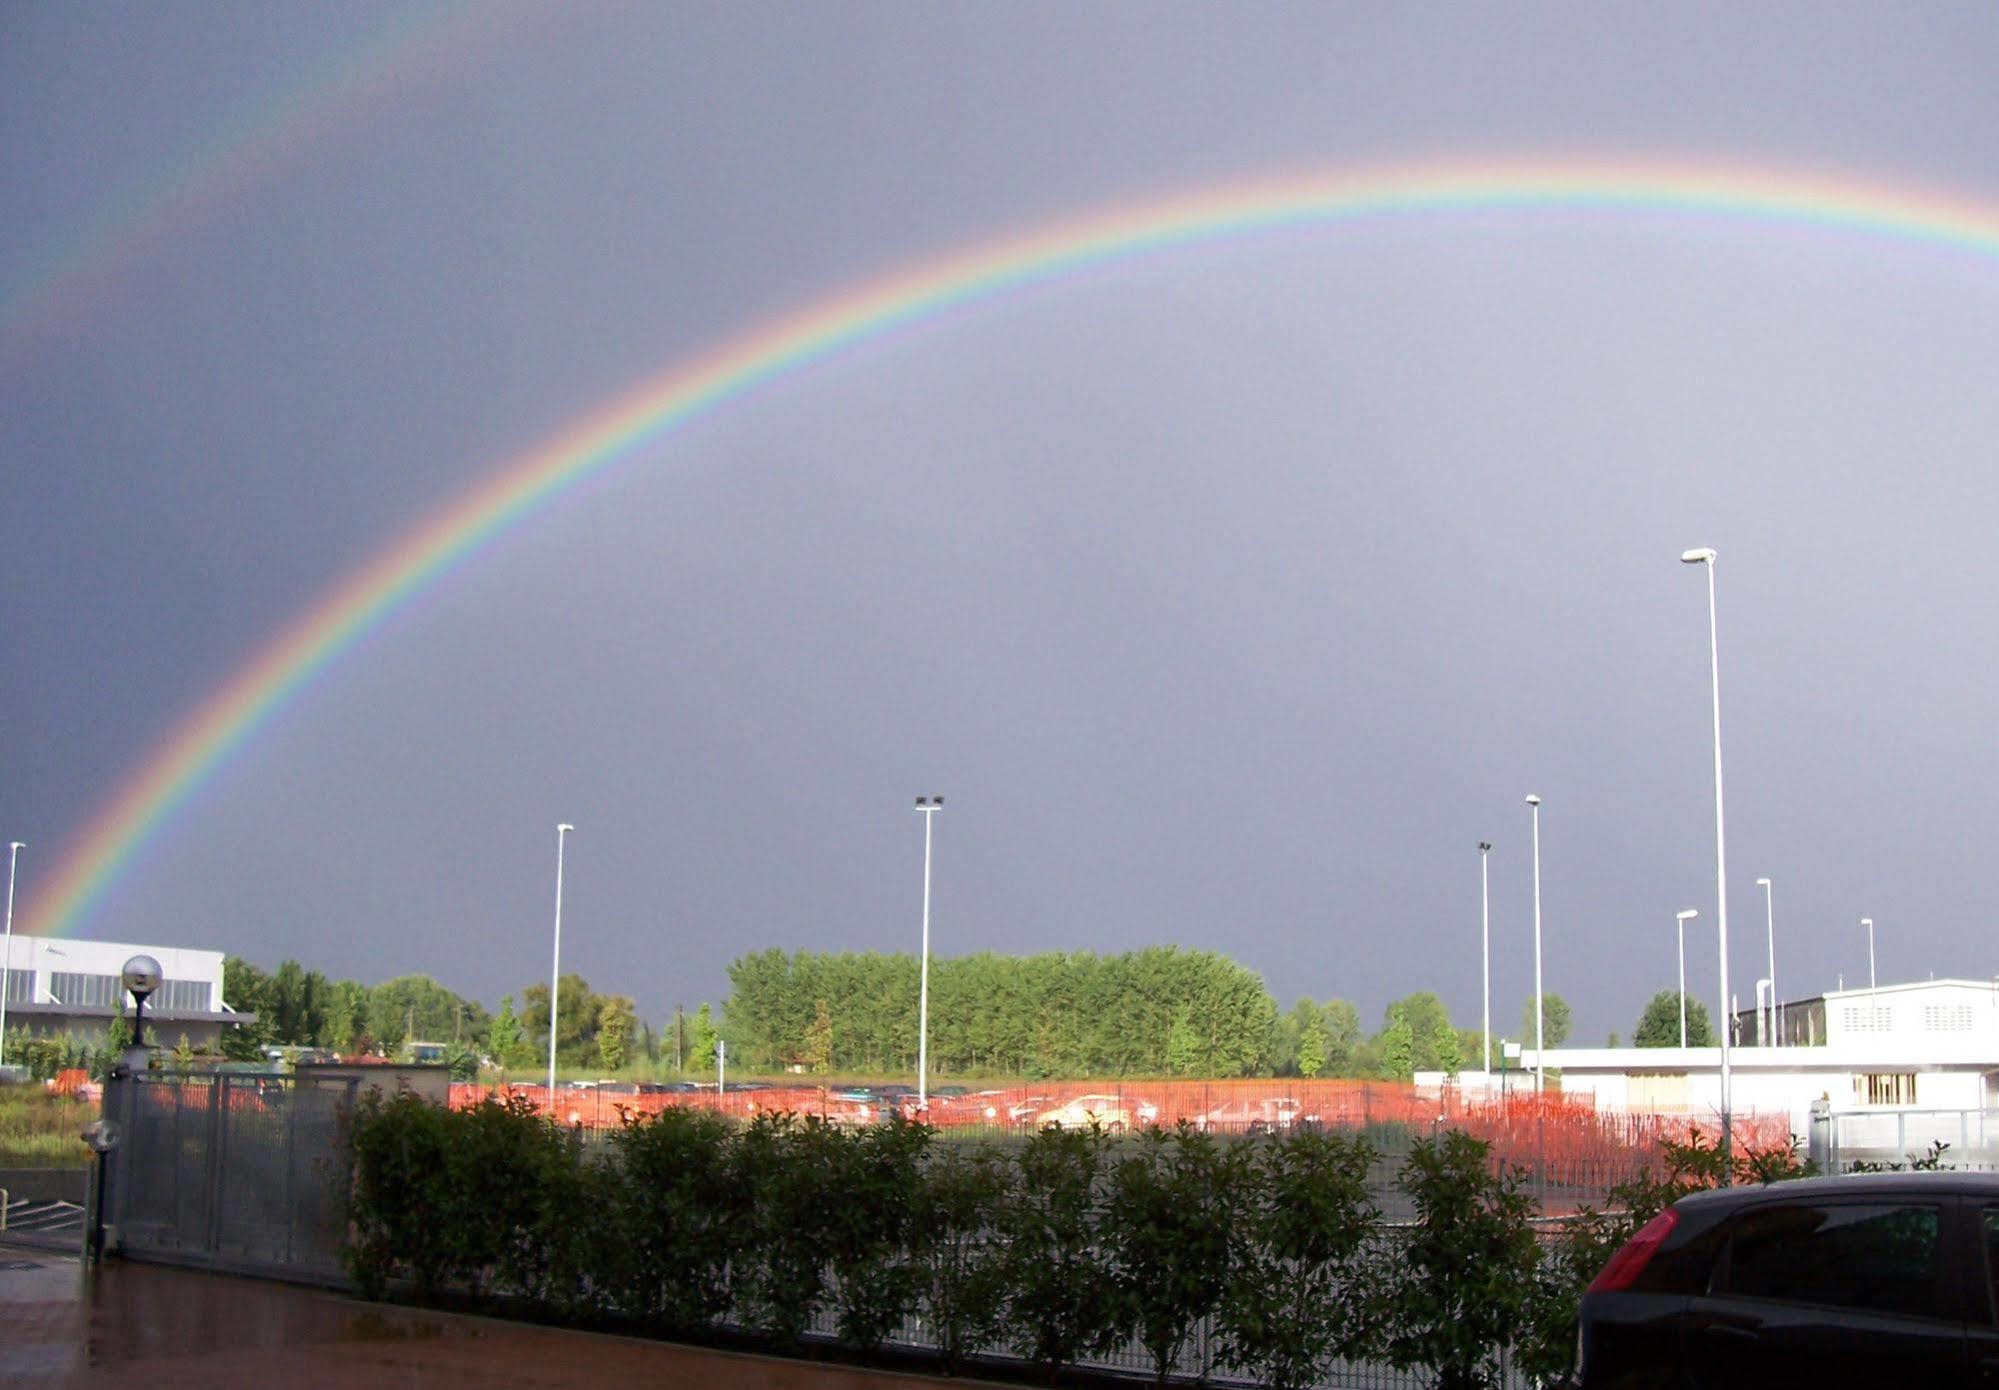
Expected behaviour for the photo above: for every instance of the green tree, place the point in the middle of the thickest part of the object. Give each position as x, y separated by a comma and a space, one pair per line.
505, 1038
1659, 1025
617, 1022
1183, 1046
1313, 1043
1398, 1050
817, 1054
1555, 1020
701, 1037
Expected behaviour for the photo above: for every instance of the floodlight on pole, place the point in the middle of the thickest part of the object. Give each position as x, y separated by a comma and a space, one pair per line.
1683, 918
929, 806
1540, 1047
1485, 949
555, 971
1705, 557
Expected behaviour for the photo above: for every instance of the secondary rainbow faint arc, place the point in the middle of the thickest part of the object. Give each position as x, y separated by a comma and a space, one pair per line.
618, 432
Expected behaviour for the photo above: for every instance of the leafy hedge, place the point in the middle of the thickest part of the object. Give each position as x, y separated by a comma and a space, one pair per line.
1063, 1248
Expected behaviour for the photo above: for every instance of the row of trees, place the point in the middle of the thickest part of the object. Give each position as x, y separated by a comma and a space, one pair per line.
298, 1007
1160, 1011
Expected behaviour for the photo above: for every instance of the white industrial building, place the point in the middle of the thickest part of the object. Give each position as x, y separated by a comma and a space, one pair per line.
1884, 1051
58, 986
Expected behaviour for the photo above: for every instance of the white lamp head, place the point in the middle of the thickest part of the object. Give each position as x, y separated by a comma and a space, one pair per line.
1533, 800
1866, 921
141, 976
564, 829
1762, 883
1688, 915
1703, 556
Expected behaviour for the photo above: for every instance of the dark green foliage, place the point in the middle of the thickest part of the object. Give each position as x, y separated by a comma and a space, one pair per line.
959, 1267
1060, 1303
878, 1173
1302, 1293
1173, 1227
788, 1168
1068, 1246
675, 1217
1462, 1284
461, 1198
1073, 1014
1659, 1025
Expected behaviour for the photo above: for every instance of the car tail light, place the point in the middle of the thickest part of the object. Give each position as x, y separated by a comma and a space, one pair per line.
1635, 1254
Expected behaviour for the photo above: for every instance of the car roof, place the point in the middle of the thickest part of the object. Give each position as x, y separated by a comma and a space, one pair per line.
1925, 1184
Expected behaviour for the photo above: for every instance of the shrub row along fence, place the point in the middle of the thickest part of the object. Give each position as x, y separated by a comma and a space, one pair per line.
1182, 1254
1570, 1153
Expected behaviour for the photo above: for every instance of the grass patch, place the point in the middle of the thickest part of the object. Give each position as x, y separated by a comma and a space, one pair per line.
38, 1130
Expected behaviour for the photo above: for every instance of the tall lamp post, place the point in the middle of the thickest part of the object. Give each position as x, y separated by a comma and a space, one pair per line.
929, 806
1705, 557
555, 972
1868, 922
1683, 918
14, 849
1770, 929
1540, 1060
1485, 951
140, 977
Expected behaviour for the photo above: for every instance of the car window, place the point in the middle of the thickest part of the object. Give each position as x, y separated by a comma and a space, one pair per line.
1875, 1258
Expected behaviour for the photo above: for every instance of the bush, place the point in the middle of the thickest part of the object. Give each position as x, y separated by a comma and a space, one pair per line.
469, 1198
1173, 1227
877, 1175
788, 1170
675, 1215
1464, 1284
1303, 1295
959, 1267
1059, 1306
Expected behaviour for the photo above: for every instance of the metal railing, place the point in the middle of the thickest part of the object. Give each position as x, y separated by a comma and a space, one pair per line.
228, 1172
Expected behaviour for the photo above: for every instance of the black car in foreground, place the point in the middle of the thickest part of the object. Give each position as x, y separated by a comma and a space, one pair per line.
1883, 1279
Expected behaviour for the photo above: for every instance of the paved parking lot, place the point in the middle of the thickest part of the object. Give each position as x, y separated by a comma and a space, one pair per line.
59, 1327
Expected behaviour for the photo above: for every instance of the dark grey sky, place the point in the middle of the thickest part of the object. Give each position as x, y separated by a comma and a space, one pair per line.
1230, 596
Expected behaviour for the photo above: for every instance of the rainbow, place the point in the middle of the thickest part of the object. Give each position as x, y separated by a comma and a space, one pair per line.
628, 427
410, 46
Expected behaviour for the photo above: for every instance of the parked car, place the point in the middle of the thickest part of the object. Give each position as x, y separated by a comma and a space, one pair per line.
1112, 1114
1255, 1115
1875, 1280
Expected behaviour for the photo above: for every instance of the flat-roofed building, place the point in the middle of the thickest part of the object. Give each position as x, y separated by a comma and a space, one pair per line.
55, 986
1929, 1046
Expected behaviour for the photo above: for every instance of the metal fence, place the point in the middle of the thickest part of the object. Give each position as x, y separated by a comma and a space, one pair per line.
1883, 1137
241, 1174
228, 1172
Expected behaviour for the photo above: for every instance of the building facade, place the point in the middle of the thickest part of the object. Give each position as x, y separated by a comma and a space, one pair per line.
1931, 1046
55, 986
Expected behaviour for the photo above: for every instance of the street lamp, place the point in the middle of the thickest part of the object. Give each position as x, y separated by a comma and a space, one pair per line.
141, 976
1868, 922
1705, 557
1540, 1061
929, 806
14, 849
1683, 918
1770, 927
1485, 950
555, 972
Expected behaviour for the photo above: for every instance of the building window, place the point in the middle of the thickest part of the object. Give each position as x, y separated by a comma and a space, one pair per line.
182, 996
1886, 1088
1873, 1018
1947, 1018
20, 986
79, 991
